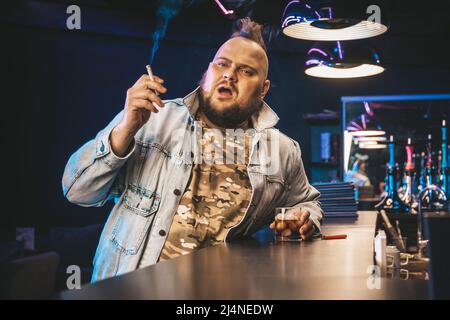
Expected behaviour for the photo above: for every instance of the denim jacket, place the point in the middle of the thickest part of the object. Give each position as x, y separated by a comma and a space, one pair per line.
148, 183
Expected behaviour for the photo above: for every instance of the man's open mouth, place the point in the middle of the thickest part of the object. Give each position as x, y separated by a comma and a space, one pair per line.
225, 92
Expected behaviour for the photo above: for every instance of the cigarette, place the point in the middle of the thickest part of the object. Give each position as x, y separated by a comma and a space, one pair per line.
150, 74
335, 236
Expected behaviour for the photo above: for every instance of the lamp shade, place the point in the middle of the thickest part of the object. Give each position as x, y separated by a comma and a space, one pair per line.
332, 60
302, 21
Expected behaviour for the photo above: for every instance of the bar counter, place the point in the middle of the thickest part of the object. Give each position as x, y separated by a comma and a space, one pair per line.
260, 269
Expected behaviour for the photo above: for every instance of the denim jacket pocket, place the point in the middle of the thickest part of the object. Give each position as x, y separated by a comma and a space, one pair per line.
141, 201
134, 219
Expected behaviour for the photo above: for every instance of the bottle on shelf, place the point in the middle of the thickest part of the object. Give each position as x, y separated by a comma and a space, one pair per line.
408, 195
422, 176
432, 197
429, 167
416, 173
391, 203
444, 170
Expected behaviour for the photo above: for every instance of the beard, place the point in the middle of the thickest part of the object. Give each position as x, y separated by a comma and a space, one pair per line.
231, 116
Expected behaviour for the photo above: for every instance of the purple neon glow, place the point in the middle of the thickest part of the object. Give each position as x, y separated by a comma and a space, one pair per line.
319, 51
330, 13
313, 61
285, 22
368, 109
290, 19
353, 125
284, 12
340, 50
363, 120
223, 9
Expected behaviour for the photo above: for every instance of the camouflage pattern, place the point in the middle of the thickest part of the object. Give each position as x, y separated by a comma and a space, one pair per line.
215, 200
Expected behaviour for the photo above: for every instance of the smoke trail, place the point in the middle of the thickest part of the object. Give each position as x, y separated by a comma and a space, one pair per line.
166, 11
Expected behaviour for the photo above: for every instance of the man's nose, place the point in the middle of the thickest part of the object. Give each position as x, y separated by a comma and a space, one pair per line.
230, 75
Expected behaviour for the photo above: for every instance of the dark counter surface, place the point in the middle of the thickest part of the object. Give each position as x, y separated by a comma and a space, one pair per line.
258, 269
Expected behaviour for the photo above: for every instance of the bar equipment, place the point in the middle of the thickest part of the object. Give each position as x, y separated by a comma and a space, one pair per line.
408, 195
392, 203
432, 197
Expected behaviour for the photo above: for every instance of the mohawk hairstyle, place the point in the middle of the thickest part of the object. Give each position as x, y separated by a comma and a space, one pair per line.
249, 29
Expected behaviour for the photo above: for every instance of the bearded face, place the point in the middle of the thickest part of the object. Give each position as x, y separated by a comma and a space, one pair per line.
232, 88
228, 114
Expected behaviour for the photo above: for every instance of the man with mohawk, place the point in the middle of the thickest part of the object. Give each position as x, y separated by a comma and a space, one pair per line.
196, 171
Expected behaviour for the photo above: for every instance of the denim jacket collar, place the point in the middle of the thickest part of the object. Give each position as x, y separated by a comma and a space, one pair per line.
263, 119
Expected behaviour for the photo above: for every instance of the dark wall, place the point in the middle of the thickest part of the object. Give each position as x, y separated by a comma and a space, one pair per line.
62, 86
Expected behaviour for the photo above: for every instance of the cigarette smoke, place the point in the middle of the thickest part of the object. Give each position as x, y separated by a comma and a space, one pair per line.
167, 9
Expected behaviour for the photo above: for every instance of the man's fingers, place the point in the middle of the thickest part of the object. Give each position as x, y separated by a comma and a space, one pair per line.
304, 217
155, 101
149, 95
144, 104
141, 80
153, 85
307, 230
294, 211
158, 79
149, 84
154, 98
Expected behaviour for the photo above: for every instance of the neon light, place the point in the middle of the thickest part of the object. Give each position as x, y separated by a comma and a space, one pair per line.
368, 133
289, 19
368, 109
291, 2
372, 146
319, 51
365, 139
340, 50
313, 61
224, 10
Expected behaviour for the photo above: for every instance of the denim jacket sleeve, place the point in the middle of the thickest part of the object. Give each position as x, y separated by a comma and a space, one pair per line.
92, 174
301, 193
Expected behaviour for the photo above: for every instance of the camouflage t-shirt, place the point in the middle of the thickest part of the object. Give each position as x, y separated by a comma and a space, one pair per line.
216, 198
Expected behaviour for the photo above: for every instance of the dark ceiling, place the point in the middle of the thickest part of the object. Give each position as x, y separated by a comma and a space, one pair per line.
405, 17
419, 31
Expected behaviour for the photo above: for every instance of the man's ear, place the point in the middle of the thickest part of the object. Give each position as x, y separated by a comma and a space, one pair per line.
265, 88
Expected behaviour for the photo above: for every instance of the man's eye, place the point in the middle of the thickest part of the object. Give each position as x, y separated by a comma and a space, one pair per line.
221, 64
247, 72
